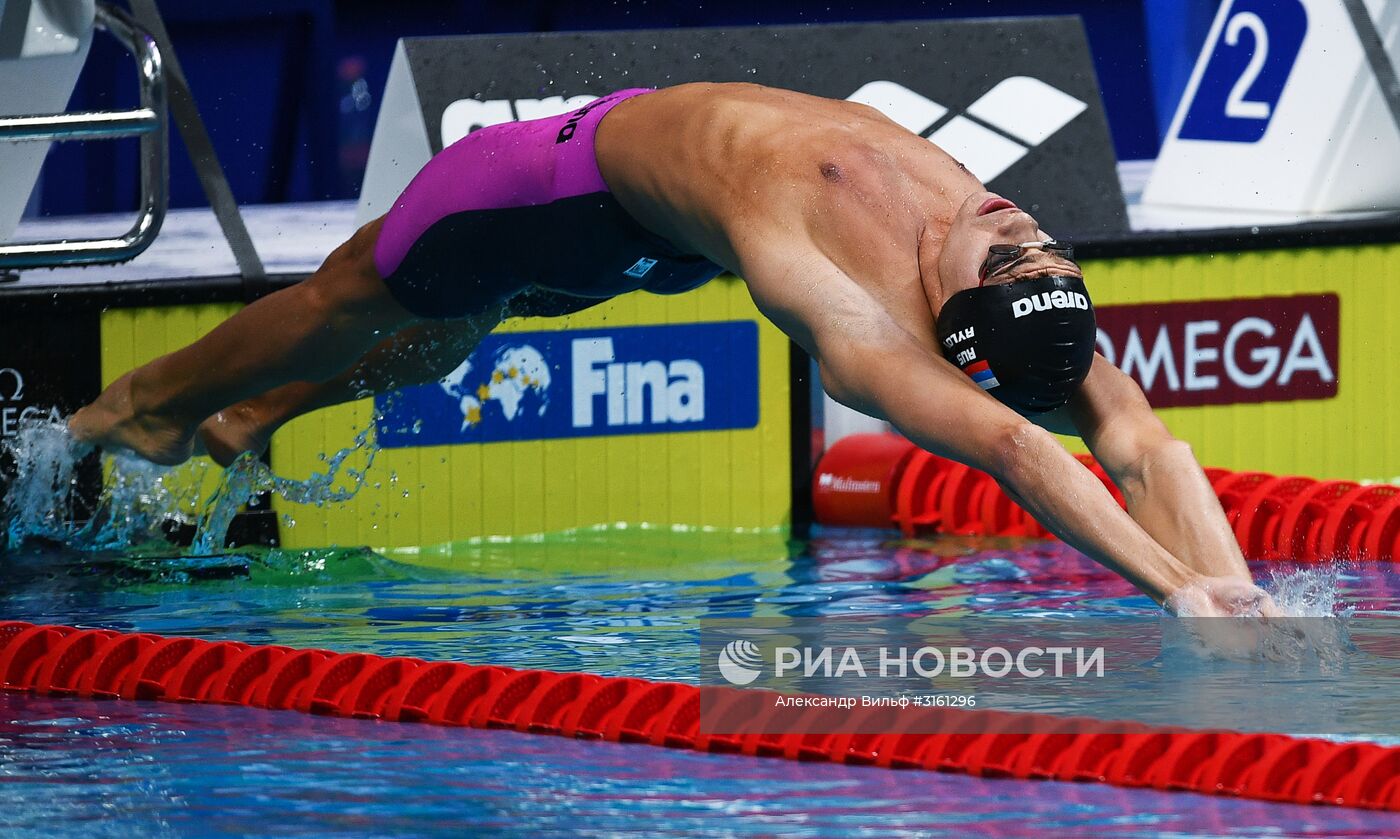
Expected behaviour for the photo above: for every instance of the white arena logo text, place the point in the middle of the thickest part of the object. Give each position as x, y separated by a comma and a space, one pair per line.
996, 131
1047, 300
634, 392
464, 116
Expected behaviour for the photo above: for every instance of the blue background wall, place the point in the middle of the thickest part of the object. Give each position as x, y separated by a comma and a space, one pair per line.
289, 88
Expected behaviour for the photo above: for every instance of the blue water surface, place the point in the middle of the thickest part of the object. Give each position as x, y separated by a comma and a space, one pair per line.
614, 602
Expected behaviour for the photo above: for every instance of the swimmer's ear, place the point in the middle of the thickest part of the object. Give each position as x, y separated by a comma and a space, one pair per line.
1057, 421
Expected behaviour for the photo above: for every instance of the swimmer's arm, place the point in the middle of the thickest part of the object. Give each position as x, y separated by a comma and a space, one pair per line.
1165, 488
869, 362
939, 409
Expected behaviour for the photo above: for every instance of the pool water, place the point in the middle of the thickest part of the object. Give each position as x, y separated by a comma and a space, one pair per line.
629, 604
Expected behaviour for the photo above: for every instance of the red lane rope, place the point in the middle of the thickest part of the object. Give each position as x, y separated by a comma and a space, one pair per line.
99, 663
883, 480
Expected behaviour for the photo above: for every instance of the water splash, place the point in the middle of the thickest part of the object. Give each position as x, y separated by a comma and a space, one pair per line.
41, 464
248, 476
1308, 592
139, 500
1313, 630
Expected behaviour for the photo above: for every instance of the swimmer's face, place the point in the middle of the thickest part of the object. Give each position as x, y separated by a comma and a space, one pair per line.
987, 219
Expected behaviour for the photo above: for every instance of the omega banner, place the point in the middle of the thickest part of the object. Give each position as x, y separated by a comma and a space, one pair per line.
1221, 352
50, 366
1015, 100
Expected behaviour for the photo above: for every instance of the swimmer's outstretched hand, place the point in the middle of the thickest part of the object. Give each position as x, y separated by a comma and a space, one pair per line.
1261, 631
1222, 597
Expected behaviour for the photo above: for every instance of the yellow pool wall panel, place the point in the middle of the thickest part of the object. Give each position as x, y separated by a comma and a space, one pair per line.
735, 479
741, 478
437, 494
1356, 434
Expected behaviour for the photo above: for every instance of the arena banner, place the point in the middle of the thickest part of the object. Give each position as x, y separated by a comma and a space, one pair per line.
1015, 100
1226, 352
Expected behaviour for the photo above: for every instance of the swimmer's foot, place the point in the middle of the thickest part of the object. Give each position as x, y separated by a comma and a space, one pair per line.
231, 432
112, 423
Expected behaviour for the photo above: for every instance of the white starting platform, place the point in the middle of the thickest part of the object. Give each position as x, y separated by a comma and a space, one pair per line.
292, 240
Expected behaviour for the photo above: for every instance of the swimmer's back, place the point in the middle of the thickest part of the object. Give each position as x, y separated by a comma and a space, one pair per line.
709, 165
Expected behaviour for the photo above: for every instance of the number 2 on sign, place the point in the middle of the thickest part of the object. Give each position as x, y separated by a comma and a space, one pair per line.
1236, 105
1252, 49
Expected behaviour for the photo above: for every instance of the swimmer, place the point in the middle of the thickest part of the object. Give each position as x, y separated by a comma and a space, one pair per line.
925, 299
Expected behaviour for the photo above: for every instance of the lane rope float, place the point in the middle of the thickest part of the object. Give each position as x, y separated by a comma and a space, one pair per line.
883, 480
104, 664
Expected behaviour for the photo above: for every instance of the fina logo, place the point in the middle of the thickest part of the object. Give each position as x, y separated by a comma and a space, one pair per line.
1047, 300
636, 392
740, 662
515, 386
677, 389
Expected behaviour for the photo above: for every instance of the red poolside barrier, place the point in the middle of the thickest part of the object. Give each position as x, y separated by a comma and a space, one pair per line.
99, 663
856, 484
883, 480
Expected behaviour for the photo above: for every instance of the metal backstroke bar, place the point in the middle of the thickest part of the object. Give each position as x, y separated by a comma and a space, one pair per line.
148, 122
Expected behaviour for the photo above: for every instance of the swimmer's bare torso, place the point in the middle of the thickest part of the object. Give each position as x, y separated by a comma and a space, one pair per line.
765, 182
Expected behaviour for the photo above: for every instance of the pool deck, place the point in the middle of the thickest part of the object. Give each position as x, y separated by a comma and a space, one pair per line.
293, 239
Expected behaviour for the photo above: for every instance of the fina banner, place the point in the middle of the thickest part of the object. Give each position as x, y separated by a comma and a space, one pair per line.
1015, 100
1284, 115
584, 383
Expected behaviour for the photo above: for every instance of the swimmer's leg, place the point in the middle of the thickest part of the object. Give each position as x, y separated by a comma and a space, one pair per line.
312, 331
418, 354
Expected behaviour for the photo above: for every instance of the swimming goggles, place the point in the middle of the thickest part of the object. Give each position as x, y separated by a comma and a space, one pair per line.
1000, 256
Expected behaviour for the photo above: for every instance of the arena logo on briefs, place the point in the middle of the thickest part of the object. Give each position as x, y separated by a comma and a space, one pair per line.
1249, 64
1221, 352
585, 383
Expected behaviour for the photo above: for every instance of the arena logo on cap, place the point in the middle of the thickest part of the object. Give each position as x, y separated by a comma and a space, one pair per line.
585, 383
1221, 352
1047, 300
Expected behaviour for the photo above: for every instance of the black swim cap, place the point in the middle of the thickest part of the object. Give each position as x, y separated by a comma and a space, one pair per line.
1029, 343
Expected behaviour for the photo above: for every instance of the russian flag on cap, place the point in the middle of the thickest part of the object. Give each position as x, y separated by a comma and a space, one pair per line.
981, 373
